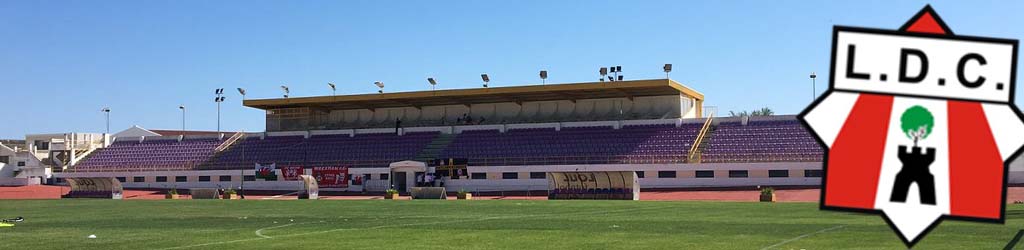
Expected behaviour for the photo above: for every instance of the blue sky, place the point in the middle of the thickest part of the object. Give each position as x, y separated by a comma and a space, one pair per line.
63, 61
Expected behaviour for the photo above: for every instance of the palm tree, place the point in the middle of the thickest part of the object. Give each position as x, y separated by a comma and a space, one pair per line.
740, 114
760, 112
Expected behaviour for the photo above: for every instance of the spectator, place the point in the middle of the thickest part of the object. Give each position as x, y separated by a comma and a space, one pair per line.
398, 124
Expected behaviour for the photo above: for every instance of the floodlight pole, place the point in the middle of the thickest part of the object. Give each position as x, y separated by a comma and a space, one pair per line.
218, 116
106, 112
182, 107
241, 171
218, 99
814, 87
218, 113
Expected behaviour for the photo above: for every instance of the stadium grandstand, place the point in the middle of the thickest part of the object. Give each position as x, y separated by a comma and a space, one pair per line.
33, 160
483, 139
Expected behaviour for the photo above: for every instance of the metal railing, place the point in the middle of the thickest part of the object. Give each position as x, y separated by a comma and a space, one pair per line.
700, 137
230, 141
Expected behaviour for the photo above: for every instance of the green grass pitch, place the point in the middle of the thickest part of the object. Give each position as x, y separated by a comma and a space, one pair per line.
495, 224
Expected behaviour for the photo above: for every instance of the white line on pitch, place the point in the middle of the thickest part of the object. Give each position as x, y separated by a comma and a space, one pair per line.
260, 231
801, 237
412, 224
279, 196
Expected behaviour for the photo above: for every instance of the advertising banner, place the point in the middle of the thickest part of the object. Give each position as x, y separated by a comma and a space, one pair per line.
331, 177
292, 173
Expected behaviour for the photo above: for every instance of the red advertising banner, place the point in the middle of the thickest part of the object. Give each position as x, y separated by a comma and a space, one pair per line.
331, 177
292, 173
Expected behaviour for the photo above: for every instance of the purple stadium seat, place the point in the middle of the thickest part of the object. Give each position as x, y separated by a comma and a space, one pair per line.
363, 150
762, 141
575, 145
150, 155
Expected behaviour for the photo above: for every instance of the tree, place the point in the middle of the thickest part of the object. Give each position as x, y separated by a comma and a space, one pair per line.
917, 123
760, 112
740, 114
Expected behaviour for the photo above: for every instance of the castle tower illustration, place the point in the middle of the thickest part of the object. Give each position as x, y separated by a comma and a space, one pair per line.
916, 123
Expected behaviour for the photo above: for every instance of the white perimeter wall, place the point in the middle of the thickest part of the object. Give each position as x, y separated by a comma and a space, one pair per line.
685, 176
757, 175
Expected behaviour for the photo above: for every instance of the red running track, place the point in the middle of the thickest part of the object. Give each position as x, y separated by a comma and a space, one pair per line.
784, 195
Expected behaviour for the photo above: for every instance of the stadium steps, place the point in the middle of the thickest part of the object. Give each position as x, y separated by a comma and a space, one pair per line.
435, 147
219, 150
704, 143
88, 155
230, 141
83, 153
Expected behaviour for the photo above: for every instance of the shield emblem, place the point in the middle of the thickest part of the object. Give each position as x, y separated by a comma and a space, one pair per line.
919, 124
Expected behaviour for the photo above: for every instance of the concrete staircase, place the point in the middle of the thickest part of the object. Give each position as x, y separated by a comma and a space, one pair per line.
433, 150
230, 141
697, 155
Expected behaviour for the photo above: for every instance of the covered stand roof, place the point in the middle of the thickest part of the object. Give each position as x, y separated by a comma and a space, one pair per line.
517, 94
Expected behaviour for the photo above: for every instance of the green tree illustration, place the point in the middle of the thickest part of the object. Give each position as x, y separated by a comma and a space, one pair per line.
917, 123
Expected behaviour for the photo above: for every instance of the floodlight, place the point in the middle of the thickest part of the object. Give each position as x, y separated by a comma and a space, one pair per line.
667, 68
